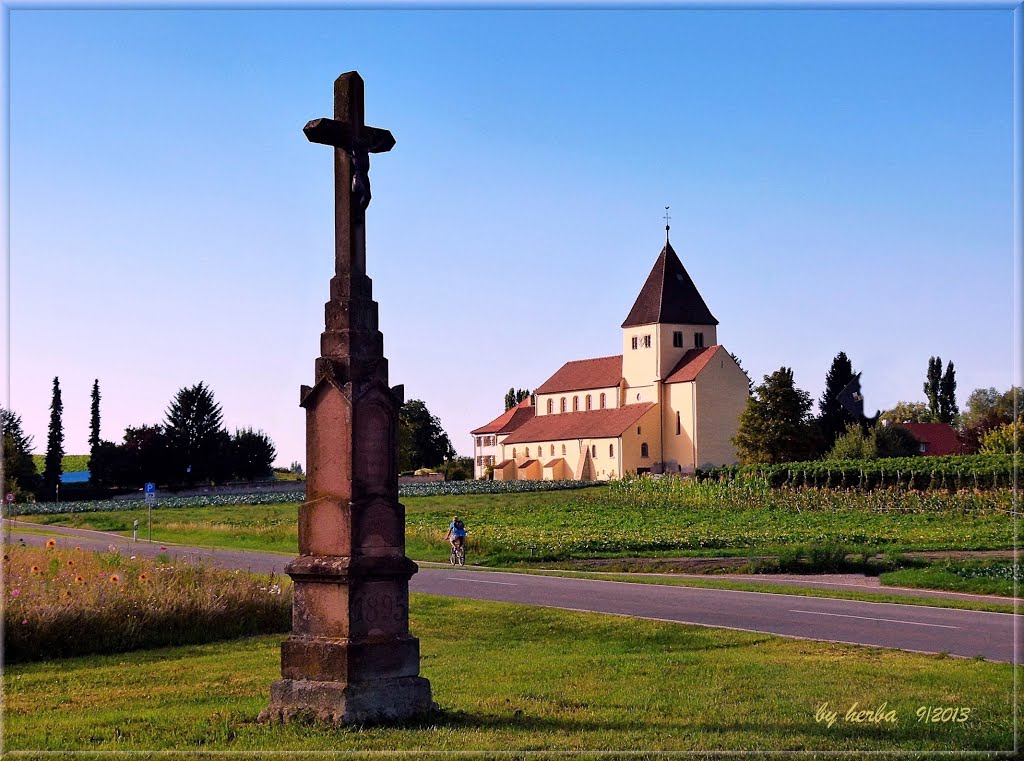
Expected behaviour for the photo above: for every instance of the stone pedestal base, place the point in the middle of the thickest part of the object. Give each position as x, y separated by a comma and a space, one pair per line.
376, 701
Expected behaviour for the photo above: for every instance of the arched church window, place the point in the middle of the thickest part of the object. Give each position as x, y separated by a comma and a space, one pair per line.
514, 455
590, 402
563, 404
552, 450
644, 452
593, 451
575, 404
603, 401
551, 406
527, 451
563, 450
611, 450
679, 424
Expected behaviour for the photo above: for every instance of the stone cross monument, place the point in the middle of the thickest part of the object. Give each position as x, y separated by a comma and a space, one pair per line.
350, 657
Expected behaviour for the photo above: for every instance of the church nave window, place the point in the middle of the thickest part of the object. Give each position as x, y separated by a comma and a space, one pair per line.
527, 451
644, 452
552, 450
679, 425
563, 404
575, 404
593, 451
604, 401
563, 450
590, 402
551, 406
611, 450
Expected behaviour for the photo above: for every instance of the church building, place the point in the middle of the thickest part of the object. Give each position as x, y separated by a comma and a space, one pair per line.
669, 403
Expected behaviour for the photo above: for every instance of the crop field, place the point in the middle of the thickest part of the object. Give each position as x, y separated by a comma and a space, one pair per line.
624, 520
69, 464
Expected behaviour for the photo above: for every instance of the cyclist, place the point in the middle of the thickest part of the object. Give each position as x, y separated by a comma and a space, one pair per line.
456, 535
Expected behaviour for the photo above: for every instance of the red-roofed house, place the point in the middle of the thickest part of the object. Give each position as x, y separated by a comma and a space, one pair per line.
669, 403
935, 438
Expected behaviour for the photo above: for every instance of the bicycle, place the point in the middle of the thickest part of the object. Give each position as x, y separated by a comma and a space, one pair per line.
458, 554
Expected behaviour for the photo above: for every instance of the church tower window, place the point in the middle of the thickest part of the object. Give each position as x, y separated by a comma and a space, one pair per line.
647, 342
635, 339
677, 339
644, 452
679, 424
698, 340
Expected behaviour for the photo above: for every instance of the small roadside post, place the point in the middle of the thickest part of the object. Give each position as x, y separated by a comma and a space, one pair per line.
135, 530
150, 501
9, 499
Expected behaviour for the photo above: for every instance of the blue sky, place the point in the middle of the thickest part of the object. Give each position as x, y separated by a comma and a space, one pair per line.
839, 180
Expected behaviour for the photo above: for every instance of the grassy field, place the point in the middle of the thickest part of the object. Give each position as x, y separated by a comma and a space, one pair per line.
506, 529
978, 577
515, 678
69, 464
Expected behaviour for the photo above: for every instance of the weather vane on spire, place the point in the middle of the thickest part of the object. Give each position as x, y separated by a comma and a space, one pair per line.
667, 219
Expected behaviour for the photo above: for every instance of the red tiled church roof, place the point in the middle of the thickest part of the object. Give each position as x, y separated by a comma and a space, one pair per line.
669, 296
938, 438
509, 420
582, 374
595, 424
691, 364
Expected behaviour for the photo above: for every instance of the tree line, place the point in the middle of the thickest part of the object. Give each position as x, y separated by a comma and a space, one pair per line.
778, 424
190, 446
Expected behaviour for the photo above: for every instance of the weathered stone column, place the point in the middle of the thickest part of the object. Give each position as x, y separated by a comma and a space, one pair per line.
350, 657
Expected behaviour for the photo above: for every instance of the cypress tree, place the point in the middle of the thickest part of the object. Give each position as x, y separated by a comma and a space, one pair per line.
833, 417
932, 385
94, 421
54, 441
948, 409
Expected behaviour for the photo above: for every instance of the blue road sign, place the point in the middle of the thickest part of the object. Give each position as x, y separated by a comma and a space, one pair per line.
150, 488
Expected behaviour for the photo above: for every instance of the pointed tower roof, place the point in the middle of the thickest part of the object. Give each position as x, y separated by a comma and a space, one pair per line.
669, 296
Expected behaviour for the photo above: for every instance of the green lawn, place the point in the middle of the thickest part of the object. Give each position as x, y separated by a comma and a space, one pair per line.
513, 678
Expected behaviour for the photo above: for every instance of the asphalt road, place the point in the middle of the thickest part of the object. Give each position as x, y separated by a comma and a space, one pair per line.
907, 627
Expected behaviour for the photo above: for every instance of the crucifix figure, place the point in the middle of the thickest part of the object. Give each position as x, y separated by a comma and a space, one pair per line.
348, 133
350, 658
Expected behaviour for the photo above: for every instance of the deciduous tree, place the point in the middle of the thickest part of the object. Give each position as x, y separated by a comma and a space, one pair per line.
252, 454
907, 412
423, 443
776, 424
514, 396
